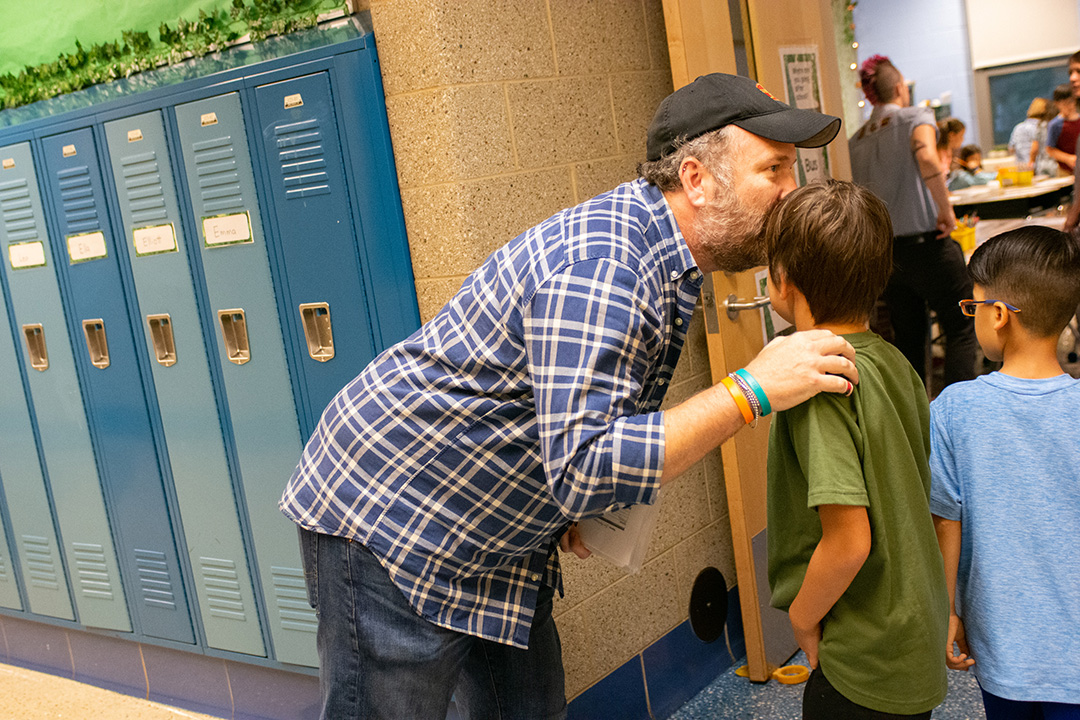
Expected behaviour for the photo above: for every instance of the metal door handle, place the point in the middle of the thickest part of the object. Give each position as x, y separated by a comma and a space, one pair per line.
734, 305
96, 343
318, 331
162, 336
234, 333
35, 346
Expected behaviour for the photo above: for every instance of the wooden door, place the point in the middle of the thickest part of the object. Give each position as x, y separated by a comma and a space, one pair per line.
701, 41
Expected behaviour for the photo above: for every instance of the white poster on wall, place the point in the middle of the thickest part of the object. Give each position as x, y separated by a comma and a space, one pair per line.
999, 33
802, 89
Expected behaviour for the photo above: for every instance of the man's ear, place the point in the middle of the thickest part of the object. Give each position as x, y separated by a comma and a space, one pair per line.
695, 179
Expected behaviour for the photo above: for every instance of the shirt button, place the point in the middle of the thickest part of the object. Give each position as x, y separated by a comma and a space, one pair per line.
674, 274
695, 275
536, 577
678, 321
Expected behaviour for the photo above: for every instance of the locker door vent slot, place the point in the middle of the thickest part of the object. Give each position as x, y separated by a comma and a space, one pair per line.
155, 580
318, 330
161, 334
91, 570
35, 346
96, 343
39, 561
222, 586
290, 592
234, 333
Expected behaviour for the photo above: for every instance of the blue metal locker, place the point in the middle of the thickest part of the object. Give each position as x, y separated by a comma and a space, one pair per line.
9, 589
122, 425
369, 164
142, 172
264, 264
27, 498
58, 404
251, 353
318, 240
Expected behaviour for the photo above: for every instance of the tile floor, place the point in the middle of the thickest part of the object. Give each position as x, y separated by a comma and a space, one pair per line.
29, 695
730, 697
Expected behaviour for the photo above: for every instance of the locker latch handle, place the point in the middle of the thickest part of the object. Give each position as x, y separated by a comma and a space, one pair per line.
234, 333
96, 343
318, 330
162, 336
35, 346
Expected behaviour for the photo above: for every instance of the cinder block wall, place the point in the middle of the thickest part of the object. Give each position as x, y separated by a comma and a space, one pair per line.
503, 112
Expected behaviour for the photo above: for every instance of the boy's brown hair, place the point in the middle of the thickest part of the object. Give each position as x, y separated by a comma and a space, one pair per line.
1034, 268
833, 241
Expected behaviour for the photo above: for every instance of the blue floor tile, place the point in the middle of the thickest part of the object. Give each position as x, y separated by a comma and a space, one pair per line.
619, 695
679, 665
730, 697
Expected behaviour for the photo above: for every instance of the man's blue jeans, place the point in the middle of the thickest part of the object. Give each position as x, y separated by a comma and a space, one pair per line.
379, 660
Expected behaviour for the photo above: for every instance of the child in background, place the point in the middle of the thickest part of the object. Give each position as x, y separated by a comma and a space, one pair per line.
950, 139
852, 551
1028, 139
1006, 483
1064, 129
969, 170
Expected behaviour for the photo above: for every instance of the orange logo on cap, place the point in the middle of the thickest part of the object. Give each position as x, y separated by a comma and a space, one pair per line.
762, 89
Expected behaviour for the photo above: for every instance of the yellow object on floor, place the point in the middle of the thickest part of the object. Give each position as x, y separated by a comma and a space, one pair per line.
791, 674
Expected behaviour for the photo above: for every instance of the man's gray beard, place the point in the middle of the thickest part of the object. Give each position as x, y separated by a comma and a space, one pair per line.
730, 233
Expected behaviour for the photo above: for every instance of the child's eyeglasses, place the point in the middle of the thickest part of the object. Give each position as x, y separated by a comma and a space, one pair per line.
968, 306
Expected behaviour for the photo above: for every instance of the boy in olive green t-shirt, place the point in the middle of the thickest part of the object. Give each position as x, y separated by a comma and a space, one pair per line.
853, 556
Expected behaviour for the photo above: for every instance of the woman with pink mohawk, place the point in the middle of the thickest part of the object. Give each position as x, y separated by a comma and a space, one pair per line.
894, 155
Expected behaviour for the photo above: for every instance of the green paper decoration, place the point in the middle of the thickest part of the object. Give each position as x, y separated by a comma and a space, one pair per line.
136, 52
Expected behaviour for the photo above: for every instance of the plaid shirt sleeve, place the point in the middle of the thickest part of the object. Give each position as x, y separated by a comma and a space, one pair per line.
590, 332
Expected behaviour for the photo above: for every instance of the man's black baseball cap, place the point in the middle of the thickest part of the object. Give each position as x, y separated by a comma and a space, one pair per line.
713, 101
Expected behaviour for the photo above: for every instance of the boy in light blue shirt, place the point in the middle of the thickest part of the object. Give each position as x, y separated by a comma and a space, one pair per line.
1005, 462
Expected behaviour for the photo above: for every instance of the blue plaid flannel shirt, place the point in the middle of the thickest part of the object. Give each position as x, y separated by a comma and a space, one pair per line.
530, 401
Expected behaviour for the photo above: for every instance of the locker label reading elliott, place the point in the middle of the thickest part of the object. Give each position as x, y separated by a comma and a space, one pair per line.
154, 240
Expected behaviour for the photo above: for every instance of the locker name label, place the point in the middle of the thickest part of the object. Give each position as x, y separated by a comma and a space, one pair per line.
89, 246
154, 240
9, 163
293, 101
208, 119
134, 135
26, 255
227, 230
68, 151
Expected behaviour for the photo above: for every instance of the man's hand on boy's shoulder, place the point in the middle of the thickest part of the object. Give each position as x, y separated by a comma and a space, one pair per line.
793, 368
961, 660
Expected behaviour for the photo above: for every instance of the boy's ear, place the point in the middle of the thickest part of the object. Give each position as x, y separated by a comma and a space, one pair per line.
1001, 316
780, 282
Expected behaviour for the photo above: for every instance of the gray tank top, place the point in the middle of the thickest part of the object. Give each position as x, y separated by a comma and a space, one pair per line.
882, 161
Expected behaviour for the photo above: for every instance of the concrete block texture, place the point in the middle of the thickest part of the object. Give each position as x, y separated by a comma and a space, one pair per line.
502, 113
